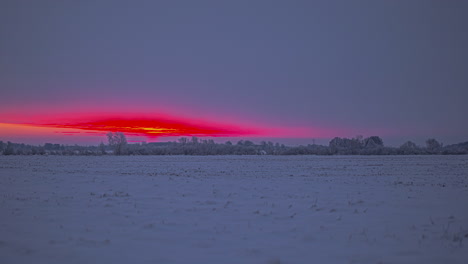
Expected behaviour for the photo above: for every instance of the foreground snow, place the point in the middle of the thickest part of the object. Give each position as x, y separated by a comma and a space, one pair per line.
234, 209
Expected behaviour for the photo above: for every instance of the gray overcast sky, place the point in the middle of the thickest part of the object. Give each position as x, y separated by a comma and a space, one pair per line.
397, 66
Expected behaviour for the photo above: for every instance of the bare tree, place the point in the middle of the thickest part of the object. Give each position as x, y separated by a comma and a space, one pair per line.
409, 145
118, 142
102, 148
373, 142
433, 145
9, 149
183, 140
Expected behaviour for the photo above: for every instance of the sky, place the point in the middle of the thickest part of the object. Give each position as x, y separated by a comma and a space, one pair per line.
288, 71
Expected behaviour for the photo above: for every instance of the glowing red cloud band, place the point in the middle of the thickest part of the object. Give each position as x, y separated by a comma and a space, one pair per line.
157, 127
149, 125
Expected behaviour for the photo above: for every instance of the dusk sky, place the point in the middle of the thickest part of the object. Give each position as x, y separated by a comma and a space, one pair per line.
287, 71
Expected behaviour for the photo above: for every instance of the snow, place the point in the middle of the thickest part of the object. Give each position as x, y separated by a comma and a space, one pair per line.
234, 209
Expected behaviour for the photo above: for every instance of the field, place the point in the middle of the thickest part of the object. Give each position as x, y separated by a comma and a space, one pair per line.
234, 209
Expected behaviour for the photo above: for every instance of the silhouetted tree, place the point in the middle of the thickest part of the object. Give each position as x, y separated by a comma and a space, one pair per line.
248, 143
183, 140
9, 149
102, 148
373, 142
118, 142
433, 145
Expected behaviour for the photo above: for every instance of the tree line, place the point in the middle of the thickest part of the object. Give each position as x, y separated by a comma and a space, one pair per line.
118, 145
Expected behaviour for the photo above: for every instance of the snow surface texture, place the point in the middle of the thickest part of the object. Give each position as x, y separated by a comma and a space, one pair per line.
234, 209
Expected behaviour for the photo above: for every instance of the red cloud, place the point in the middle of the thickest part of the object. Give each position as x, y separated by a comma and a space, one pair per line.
157, 127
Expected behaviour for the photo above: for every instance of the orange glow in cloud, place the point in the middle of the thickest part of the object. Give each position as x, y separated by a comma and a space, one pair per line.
22, 133
22, 130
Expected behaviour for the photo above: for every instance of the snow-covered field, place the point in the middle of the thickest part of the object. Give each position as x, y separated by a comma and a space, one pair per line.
234, 209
